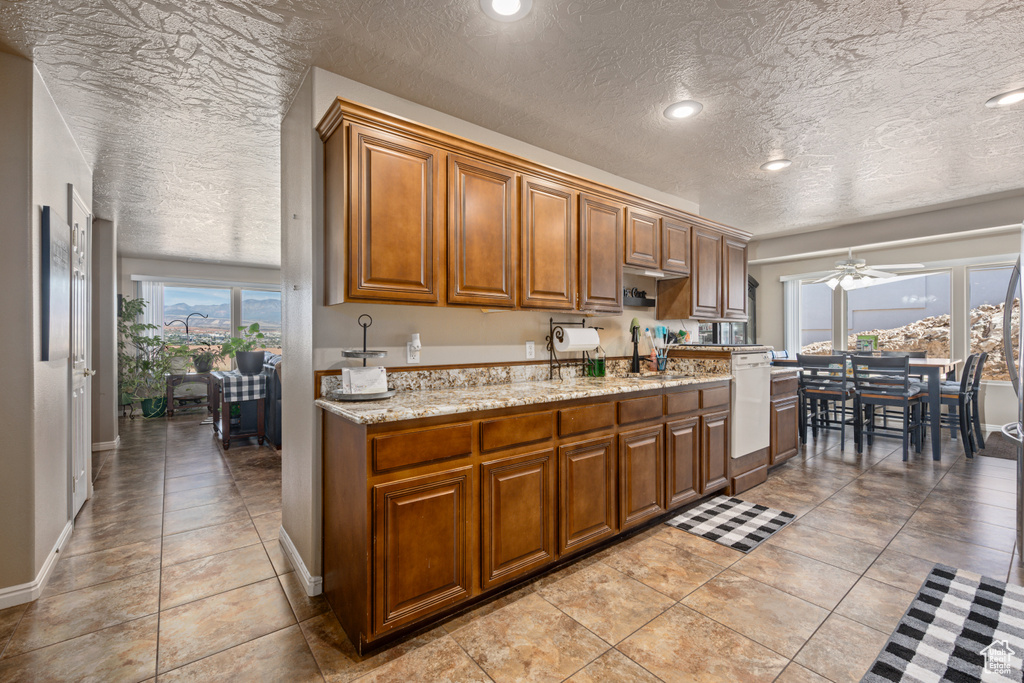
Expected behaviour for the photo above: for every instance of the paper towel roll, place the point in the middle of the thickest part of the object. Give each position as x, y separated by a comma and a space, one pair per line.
577, 339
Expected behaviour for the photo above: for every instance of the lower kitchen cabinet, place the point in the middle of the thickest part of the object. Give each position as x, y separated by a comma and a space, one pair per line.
785, 419
517, 515
586, 495
641, 475
714, 452
682, 461
421, 558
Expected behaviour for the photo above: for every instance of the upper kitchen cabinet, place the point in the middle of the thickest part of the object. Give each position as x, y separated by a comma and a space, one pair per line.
396, 218
734, 279
600, 267
548, 250
482, 233
706, 273
675, 246
643, 239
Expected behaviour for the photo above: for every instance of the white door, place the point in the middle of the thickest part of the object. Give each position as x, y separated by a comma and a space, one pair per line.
81, 336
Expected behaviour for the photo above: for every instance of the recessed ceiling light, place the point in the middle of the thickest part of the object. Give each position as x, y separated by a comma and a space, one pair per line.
775, 165
1006, 99
506, 10
683, 110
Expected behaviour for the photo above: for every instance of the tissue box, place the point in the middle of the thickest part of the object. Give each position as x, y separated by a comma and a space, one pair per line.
364, 380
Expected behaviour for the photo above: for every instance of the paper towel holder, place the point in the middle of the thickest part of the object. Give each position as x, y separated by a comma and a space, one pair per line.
556, 331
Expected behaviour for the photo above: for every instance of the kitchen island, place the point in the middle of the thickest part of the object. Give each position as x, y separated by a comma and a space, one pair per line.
436, 499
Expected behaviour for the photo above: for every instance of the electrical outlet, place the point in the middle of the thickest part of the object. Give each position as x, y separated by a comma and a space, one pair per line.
411, 356
531, 352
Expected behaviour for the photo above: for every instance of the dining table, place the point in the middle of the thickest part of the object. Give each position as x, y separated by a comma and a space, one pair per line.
935, 370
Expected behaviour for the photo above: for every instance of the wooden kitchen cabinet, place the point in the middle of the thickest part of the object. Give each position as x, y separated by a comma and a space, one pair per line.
518, 512
734, 279
706, 274
714, 452
643, 239
641, 475
682, 461
600, 267
586, 495
421, 558
548, 227
784, 419
483, 232
396, 218
675, 246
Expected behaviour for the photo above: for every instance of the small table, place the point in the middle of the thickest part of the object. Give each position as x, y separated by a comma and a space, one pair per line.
174, 380
233, 387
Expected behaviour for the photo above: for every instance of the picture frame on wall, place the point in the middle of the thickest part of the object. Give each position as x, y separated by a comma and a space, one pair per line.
56, 286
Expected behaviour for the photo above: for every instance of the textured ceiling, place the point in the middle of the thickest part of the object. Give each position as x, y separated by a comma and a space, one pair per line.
879, 103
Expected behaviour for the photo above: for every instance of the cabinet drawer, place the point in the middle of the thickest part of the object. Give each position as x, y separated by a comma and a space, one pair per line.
640, 409
392, 451
719, 396
784, 385
586, 418
513, 431
682, 402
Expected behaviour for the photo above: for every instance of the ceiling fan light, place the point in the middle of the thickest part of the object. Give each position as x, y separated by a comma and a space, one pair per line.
833, 283
847, 282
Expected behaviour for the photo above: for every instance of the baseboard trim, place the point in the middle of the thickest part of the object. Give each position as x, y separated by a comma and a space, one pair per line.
314, 585
991, 429
27, 592
106, 445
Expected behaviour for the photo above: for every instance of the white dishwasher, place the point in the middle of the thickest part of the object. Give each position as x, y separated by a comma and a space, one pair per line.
751, 400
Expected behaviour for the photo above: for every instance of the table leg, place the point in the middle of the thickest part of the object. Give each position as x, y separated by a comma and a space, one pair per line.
225, 424
215, 406
260, 433
935, 409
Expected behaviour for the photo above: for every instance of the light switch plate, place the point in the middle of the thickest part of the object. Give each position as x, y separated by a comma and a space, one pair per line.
531, 352
410, 355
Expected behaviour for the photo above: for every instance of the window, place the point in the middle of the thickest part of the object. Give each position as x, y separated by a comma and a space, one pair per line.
197, 317
263, 307
815, 318
987, 295
912, 313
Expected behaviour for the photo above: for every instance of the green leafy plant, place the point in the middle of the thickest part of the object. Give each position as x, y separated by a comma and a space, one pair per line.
204, 357
249, 339
142, 358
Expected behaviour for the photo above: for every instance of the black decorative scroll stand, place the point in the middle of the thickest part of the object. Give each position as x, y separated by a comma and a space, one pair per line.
555, 331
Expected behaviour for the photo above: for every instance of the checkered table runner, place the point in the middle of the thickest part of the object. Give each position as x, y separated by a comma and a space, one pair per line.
239, 387
960, 627
732, 522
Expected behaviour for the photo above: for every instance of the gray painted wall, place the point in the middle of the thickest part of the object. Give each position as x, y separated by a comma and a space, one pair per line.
104, 332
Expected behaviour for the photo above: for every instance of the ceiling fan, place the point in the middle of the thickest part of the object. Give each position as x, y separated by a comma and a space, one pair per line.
854, 273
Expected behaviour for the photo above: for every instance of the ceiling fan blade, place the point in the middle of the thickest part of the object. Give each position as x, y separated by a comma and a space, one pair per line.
899, 266
823, 279
871, 272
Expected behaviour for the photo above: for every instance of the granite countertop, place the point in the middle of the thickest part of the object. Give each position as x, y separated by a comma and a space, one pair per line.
722, 347
409, 405
785, 371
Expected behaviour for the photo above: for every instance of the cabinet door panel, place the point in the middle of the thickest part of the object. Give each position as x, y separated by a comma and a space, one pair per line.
643, 239
482, 233
600, 245
714, 443
683, 456
641, 476
734, 281
548, 235
518, 515
706, 274
784, 429
396, 224
675, 246
421, 553
586, 494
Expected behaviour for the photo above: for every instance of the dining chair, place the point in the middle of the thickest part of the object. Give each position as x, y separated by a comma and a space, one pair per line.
824, 392
979, 369
885, 382
956, 396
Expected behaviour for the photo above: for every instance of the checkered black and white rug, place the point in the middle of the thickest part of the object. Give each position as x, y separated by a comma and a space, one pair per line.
732, 522
961, 627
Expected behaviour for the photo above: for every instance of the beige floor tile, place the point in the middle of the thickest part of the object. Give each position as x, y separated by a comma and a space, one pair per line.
190, 498
900, 570
68, 615
204, 627
442, 661
189, 519
869, 505
683, 645
838, 551
795, 673
126, 652
952, 552
114, 534
876, 529
806, 578
195, 481
79, 571
967, 530
767, 615
614, 666
279, 656
606, 601
701, 547
529, 640
268, 526
9, 619
282, 565
192, 545
842, 650
875, 604
666, 568
304, 606
105, 508
188, 581
954, 508
458, 621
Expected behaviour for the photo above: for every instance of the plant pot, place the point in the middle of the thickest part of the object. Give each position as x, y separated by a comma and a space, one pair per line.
202, 365
249, 362
154, 407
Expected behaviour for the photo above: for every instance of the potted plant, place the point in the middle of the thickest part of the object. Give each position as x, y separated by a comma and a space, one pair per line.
203, 357
243, 349
143, 359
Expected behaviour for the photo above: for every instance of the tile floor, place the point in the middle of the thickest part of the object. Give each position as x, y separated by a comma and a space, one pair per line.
174, 571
